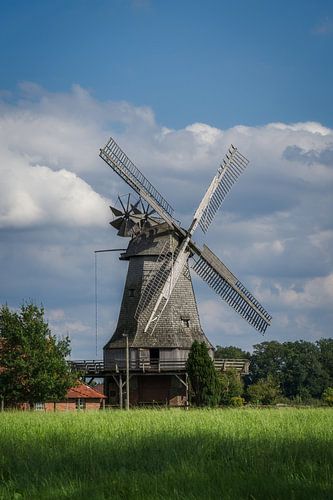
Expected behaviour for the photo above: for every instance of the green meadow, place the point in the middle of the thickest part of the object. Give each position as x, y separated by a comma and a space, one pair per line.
168, 454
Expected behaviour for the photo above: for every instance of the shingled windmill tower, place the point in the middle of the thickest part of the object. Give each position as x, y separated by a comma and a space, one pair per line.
158, 315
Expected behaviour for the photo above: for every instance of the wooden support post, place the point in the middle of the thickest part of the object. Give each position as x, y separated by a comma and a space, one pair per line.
2, 408
187, 391
127, 374
120, 391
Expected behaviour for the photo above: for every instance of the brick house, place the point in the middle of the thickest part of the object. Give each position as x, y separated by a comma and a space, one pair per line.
80, 397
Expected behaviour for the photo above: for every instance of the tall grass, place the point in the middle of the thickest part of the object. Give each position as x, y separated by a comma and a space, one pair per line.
166, 454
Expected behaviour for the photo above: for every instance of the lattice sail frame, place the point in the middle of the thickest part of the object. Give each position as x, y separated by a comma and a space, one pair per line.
155, 282
232, 166
224, 283
125, 168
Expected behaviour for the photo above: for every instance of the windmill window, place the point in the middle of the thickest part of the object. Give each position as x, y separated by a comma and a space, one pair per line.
131, 292
185, 322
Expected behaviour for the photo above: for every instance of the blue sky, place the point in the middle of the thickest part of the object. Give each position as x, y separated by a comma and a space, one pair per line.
216, 62
175, 83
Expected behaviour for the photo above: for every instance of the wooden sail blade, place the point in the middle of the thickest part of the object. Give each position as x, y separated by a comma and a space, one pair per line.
116, 211
158, 290
125, 168
135, 208
154, 284
217, 276
117, 223
126, 227
232, 166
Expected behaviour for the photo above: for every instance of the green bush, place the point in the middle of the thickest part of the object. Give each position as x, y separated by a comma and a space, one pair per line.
237, 401
265, 391
327, 396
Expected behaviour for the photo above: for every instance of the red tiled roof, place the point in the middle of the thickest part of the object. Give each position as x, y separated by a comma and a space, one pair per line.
83, 391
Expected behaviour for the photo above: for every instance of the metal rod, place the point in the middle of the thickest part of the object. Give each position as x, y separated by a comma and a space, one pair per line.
96, 313
96, 290
111, 250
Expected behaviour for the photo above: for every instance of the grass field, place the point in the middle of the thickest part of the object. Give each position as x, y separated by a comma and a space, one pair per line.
155, 454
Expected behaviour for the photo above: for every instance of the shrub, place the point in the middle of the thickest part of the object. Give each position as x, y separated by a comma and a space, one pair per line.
231, 386
237, 401
265, 391
327, 396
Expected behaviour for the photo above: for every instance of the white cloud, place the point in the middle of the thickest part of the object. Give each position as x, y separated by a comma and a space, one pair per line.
55, 314
311, 127
34, 195
316, 293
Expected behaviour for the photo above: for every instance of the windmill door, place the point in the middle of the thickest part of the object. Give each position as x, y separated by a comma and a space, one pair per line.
154, 355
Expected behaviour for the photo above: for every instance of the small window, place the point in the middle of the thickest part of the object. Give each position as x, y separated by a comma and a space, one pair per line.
80, 404
131, 292
185, 322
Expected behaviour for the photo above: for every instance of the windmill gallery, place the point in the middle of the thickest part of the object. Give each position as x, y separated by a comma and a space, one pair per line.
158, 319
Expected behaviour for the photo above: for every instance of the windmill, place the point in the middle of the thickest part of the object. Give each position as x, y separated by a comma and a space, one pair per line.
158, 311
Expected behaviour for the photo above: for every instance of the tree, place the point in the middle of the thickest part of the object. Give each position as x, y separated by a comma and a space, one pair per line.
325, 347
202, 374
265, 391
230, 352
267, 359
32, 360
296, 366
231, 386
303, 373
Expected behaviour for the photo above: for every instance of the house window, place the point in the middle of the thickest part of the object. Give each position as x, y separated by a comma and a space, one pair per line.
80, 404
39, 406
185, 322
131, 292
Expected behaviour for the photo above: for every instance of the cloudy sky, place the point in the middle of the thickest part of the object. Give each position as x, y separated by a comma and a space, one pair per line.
174, 83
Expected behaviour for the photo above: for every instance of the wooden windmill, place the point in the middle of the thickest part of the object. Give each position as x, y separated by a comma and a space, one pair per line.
158, 314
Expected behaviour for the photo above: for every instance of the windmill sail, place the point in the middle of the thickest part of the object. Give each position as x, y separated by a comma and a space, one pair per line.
155, 283
123, 166
217, 276
232, 166
156, 293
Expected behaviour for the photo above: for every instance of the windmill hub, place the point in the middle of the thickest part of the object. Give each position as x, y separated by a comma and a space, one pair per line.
132, 218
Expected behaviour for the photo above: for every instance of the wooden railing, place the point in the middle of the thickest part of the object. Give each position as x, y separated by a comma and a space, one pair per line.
241, 365
95, 367
87, 366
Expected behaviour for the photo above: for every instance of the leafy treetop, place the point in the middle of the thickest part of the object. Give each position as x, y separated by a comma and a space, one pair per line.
32, 360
